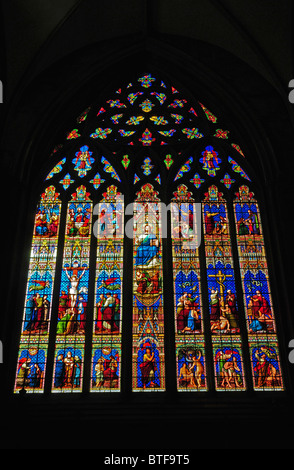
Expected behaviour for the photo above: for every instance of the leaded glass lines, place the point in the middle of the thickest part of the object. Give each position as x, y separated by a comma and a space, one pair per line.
148, 143
32, 358
73, 296
189, 325
223, 301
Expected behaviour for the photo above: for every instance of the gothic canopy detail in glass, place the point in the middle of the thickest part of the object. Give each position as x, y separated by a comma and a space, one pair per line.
151, 145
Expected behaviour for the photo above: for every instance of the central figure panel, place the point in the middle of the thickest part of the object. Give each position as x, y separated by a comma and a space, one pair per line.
148, 319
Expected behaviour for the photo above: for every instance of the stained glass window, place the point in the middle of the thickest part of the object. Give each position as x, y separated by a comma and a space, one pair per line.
31, 365
148, 308
73, 295
190, 342
107, 321
260, 319
190, 261
223, 304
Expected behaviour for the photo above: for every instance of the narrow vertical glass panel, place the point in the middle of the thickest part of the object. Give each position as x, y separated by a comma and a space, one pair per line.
224, 310
265, 363
260, 317
148, 319
107, 331
73, 296
228, 363
37, 311
189, 326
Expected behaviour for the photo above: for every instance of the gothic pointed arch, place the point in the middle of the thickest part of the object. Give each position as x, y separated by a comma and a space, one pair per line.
151, 143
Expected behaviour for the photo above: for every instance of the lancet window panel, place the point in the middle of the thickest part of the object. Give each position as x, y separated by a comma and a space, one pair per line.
222, 292
73, 295
107, 320
189, 324
150, 142
148, 302
260, 316
32, 357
